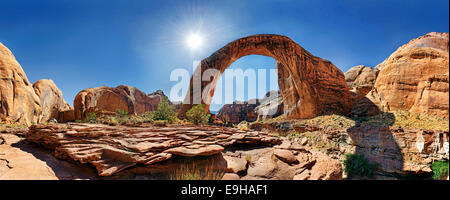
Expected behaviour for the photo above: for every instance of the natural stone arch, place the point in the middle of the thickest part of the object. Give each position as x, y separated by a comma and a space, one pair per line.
310, 85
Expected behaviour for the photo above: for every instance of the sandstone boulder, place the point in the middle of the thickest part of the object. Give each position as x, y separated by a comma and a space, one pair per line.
414, 78
18, 102
106, 100
285, 156
52, 102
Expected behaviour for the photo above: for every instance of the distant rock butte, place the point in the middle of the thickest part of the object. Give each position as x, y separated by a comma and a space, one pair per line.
107, 100
413, 78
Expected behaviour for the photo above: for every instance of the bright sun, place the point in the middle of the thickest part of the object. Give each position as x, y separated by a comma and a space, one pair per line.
194, 41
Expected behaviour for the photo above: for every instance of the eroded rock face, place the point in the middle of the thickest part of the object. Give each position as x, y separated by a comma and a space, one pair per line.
18, 102
256, 109
106, 100
361, 80
52, 101
309, 85
238, 112
361, 76
415, 77
114, 149
270, 106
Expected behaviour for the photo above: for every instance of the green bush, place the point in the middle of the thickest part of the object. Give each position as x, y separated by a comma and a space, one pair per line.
91, 118
160, 122
122, 113
440, 170
357, 164
148, 116
197, 115
165, 112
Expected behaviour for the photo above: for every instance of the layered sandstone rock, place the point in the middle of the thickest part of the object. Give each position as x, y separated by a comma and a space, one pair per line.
18, 102
310, 86
113, 149
52, 102
106, 100
415, 78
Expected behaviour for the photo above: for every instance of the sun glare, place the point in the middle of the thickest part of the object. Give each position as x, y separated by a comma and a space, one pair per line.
194, 41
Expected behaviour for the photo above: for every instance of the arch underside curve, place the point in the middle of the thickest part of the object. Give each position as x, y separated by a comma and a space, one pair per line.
310, 86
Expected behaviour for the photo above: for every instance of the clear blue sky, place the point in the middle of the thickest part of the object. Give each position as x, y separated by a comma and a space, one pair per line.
82, 44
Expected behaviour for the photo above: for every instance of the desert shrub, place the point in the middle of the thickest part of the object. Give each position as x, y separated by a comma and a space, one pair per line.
148, 116
122, 113
112, 121
357, 164
197, 115
165, 112
91, 118
440, 170
160, 122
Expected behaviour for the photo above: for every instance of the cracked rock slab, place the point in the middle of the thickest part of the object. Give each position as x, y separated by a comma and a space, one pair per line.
111, 149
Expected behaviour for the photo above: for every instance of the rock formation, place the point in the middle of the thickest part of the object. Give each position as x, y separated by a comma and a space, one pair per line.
270, 106
415, 78
18, 102
361, 80
361, 76
238, 112
113, 149
309, 85
257, 109
158, 96
106, 101
52, 102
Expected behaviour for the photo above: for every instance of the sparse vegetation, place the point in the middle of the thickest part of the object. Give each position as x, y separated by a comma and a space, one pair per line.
197, 115
193, 171
122, 113
357, 164
91, 118
440, 170
406, 119
160, 122
165, 112
249, 159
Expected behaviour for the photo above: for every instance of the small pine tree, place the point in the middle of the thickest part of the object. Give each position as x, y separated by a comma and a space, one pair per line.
165, 111
197, 115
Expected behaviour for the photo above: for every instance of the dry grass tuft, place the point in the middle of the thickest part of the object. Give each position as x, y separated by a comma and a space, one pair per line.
191, 170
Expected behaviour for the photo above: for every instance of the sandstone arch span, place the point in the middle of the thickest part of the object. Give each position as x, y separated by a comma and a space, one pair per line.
310, 85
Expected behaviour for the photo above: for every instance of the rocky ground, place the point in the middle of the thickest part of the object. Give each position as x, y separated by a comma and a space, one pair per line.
91, 151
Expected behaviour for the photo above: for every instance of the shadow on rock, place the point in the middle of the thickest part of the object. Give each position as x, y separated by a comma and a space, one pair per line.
63, 170
376, 141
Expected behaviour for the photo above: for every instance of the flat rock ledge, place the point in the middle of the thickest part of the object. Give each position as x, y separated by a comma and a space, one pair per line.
112, 149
